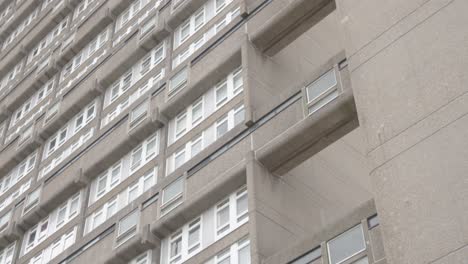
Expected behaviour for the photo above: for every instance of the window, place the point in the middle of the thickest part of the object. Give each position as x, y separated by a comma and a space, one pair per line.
176, 248
172, 195
7, 254
239, 115
181, 124
322, 91
172, 191
128, 222
221, 94
179, 158
178, 81
134, 74
52, 223
200, 232
308, 257
32, 200
222, 217
144, 258
219, 4
184, 31
4, 220
136, 158
346, 245
132, 192
243, 252
199, 19
222, 127
197, 111
241, 205
224, 257
119, 201
74, 126
194, 236
237, 253
197, 145
372, 221
138, 112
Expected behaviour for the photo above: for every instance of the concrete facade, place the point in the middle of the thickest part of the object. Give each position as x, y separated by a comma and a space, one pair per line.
233, 131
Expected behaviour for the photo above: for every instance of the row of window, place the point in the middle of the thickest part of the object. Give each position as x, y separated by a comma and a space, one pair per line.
7, 254
52, 223
133, 16
119, 201
207, 35
6, 81
50, 38
48, 167
85, 53
7, 14
31, 103
124, 168
17, 193
17, 173
83, 9
129, 100
57, 247
205, 138
196, 21
71, 128
206, 229
5, 220
343, 248
144, 258
237, 253
21, 27
137, 71
205, 105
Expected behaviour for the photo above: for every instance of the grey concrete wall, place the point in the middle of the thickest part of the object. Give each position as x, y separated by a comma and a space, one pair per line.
408, 62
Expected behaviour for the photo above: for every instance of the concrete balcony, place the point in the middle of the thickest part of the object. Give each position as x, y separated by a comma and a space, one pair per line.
64, 108
83, 33
33, 80
134, 49
10, 234
181, 10
205, 186
204, 73
273, 34
121, 139
128, 246
20, 13
49, 18
19, 148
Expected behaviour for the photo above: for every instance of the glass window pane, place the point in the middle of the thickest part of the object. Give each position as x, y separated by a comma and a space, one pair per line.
346, 245
244, 255
321, 85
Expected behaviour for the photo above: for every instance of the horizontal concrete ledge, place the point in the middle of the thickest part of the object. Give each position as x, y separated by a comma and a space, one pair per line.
70, 105
19, 15
56, 191
183, 11
32, 217
311, 135
194, 205
9, 235
363, 211
15, 152
119, 142
136, 245
294, 19
199, 81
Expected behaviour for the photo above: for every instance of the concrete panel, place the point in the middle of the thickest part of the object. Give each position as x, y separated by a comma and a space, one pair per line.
422, 195
412, 85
